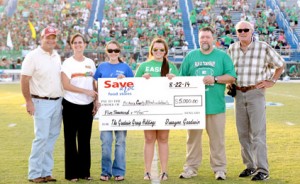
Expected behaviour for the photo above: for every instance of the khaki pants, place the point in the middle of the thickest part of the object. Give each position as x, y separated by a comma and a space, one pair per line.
215, 128
250, 108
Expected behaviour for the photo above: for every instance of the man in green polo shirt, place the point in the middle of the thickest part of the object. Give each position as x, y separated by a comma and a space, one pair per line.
217, 69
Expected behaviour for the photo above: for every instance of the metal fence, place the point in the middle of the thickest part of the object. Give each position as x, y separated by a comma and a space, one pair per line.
176, 56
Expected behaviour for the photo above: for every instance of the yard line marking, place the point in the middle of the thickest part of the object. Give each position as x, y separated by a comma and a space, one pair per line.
292, 96
12, 125
289, 123
154, 168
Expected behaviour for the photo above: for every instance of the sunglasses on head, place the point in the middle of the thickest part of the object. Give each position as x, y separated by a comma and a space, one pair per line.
245, 30
161, 50
113, 50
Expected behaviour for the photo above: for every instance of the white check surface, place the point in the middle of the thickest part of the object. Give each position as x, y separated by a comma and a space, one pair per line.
154, 104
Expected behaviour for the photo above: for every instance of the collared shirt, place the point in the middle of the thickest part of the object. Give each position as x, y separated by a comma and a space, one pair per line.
45, 72
255, 64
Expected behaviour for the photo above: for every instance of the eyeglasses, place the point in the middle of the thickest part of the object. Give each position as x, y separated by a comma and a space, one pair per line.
113, 50
161, 50
245, 30
77, 43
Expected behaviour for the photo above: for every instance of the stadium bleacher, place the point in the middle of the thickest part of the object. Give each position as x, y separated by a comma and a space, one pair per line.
135, 23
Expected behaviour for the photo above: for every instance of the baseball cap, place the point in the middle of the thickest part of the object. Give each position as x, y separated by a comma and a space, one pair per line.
49, 31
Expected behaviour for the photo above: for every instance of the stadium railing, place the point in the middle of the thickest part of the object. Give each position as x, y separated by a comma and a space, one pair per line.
176, 56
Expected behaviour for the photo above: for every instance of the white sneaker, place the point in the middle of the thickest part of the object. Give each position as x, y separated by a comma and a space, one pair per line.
187, 174
220, 175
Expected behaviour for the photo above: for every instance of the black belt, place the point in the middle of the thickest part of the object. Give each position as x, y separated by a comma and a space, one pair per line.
245, 88
45, 98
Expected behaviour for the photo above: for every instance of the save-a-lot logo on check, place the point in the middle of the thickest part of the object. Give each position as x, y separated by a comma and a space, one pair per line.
151, 104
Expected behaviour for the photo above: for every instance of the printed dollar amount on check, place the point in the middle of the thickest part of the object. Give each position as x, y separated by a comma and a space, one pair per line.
157, 103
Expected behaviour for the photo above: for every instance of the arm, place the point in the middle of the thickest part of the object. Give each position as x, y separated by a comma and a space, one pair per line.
275, 77
279, 64
96, 102
69, 87
225, 79
222, 79
26, 93
278, 72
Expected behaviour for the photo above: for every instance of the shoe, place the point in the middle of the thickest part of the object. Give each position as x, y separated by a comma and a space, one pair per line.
147, 176
49, 179
247, 172
163, 176
74, 180
38, 180
119, 178
220, 175
187, 174
260, 176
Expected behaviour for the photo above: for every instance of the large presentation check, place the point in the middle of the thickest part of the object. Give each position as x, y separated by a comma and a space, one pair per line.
151, 104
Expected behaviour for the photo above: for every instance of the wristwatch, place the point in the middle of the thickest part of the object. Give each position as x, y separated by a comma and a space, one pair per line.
216, 79
273, 80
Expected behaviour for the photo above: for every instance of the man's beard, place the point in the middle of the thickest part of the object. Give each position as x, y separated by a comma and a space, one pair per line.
205, 46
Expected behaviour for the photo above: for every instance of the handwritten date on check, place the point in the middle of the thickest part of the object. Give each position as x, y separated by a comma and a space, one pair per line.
157, 103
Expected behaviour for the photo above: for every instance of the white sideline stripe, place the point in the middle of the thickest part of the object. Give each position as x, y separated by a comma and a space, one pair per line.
289, 123
154, 168
279, 94
12, 125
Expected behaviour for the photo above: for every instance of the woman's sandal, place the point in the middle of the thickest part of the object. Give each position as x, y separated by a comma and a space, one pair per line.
163, 176
119, 178
74, 180
87, 178
147, 176
104, 178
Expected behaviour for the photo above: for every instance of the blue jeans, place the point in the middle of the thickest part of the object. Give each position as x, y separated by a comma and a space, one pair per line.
119, 165
47, 122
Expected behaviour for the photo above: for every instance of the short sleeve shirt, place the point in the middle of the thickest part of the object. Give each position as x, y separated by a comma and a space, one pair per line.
44, 70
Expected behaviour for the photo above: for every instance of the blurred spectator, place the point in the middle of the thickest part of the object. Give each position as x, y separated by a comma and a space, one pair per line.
293, 71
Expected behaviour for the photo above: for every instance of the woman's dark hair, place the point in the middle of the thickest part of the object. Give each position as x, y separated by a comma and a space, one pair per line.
75, 36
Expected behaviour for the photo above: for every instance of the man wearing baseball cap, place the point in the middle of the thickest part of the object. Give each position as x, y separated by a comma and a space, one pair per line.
42, 90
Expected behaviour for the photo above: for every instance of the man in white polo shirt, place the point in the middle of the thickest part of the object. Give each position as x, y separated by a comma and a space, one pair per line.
42, 90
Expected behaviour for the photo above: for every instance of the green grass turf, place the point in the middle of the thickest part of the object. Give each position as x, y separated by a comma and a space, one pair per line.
283, 132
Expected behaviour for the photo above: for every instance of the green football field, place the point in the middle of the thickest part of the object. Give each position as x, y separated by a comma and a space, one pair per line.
283, 138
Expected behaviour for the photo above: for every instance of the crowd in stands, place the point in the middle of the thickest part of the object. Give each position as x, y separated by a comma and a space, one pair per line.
132, 23
67, 17
5, 63
218, 15
291, 10
135, 23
